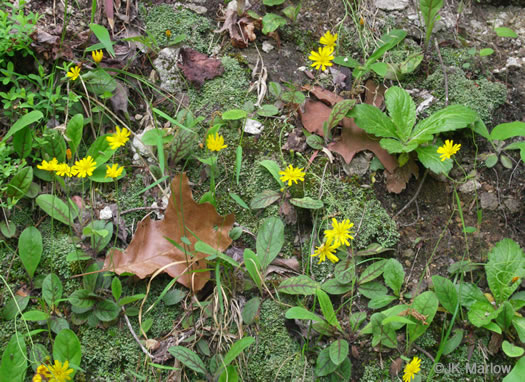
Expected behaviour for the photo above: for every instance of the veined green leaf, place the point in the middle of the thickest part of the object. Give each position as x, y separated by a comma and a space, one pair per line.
402, 110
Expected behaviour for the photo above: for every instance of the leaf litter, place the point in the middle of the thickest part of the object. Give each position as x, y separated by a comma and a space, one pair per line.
185, 221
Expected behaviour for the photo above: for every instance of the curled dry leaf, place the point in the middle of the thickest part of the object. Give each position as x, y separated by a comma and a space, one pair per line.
150, 250
198, 67
48, 45
396, 181
396, 366
241, 30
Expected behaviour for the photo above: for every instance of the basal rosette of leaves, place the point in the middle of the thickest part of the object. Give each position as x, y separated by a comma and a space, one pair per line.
401, 135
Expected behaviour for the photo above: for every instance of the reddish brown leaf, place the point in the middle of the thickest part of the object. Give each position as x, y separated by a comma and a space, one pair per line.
242, 30
108, 8
198, 67
396, 366
324, 95
397, 180
314, 115
149, 249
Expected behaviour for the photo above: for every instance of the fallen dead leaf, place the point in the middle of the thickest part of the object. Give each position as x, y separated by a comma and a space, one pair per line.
48, 45
287, 212
291, 263
150, 250
397, 180
198, 67
296, 141
313, 116
240, 29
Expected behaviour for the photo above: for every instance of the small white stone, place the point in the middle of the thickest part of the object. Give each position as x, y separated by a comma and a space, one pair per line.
106, 213
267, 47
469, 186
253, 127
391, 5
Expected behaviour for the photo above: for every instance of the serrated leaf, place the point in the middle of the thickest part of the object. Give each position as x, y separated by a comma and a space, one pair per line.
188, 358
299, 285
307, 203
402, 110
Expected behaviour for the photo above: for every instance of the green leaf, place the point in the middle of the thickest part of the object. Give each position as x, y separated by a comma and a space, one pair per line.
106, 310
429, 10
299, 313
8, 230
445, 292
394, 275
453, 342
14, 306
234, 114
23, 142
100, 150
389, 40
270, 240
373, 121
264, 199
103, 36
504, 319
356, 319
67, 348
74, 131
519, 325
505, 259
372, 272
100, 233
56, 208
173, 297
491, 160
517, 146
82, 298
334, 287
338, 351
324, 364
380, 302
344, 271
52, 289
99, 81
307, 203
250, 310
236, 349
54, 145
238, 200
238, 163
273, 168
451, 118
486, 52
349, 62
382, 333
327, 308
25, 120
397, 319
271, 22
229, 375
35, 315
505, 32
253, 266
426, 304
507, 130
30, 249
129, 299
512, 350
315, 142
299, 285
380, 68
188, 358
470, 294
402, 110
213, 253
20, 184
268, 111
339, 111
373, 289
13, 366
517, 372
292, 12
293, 97
429, 157
481, 313
275, 89
273, 2
116, 288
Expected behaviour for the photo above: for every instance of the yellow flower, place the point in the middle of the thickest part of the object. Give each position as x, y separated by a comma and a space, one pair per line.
328, 39
411, 369
48, 166
291, 174
43, 371
119, 138
448, 149
84, 167
340, 232
63, 169
37, 378
73, 73
60, 372
168, 33
97, 55
215, 142
323, 58
326, 251
113, 171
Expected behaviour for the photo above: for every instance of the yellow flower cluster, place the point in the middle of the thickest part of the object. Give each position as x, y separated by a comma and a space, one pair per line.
59, 372
333, 239
81, 169
322, 58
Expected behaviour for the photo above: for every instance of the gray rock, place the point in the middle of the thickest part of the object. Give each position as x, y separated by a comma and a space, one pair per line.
513, 205
166, 67
391, 5
489, 201
267, 46
470, 186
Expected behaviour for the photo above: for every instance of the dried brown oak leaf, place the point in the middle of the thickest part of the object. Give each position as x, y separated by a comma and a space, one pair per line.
198, 67
241, 30
353, 139
149, 249
396, 181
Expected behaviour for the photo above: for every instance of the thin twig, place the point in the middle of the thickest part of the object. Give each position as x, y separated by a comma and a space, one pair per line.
415, 195
419, 348
445, 76
144, 350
